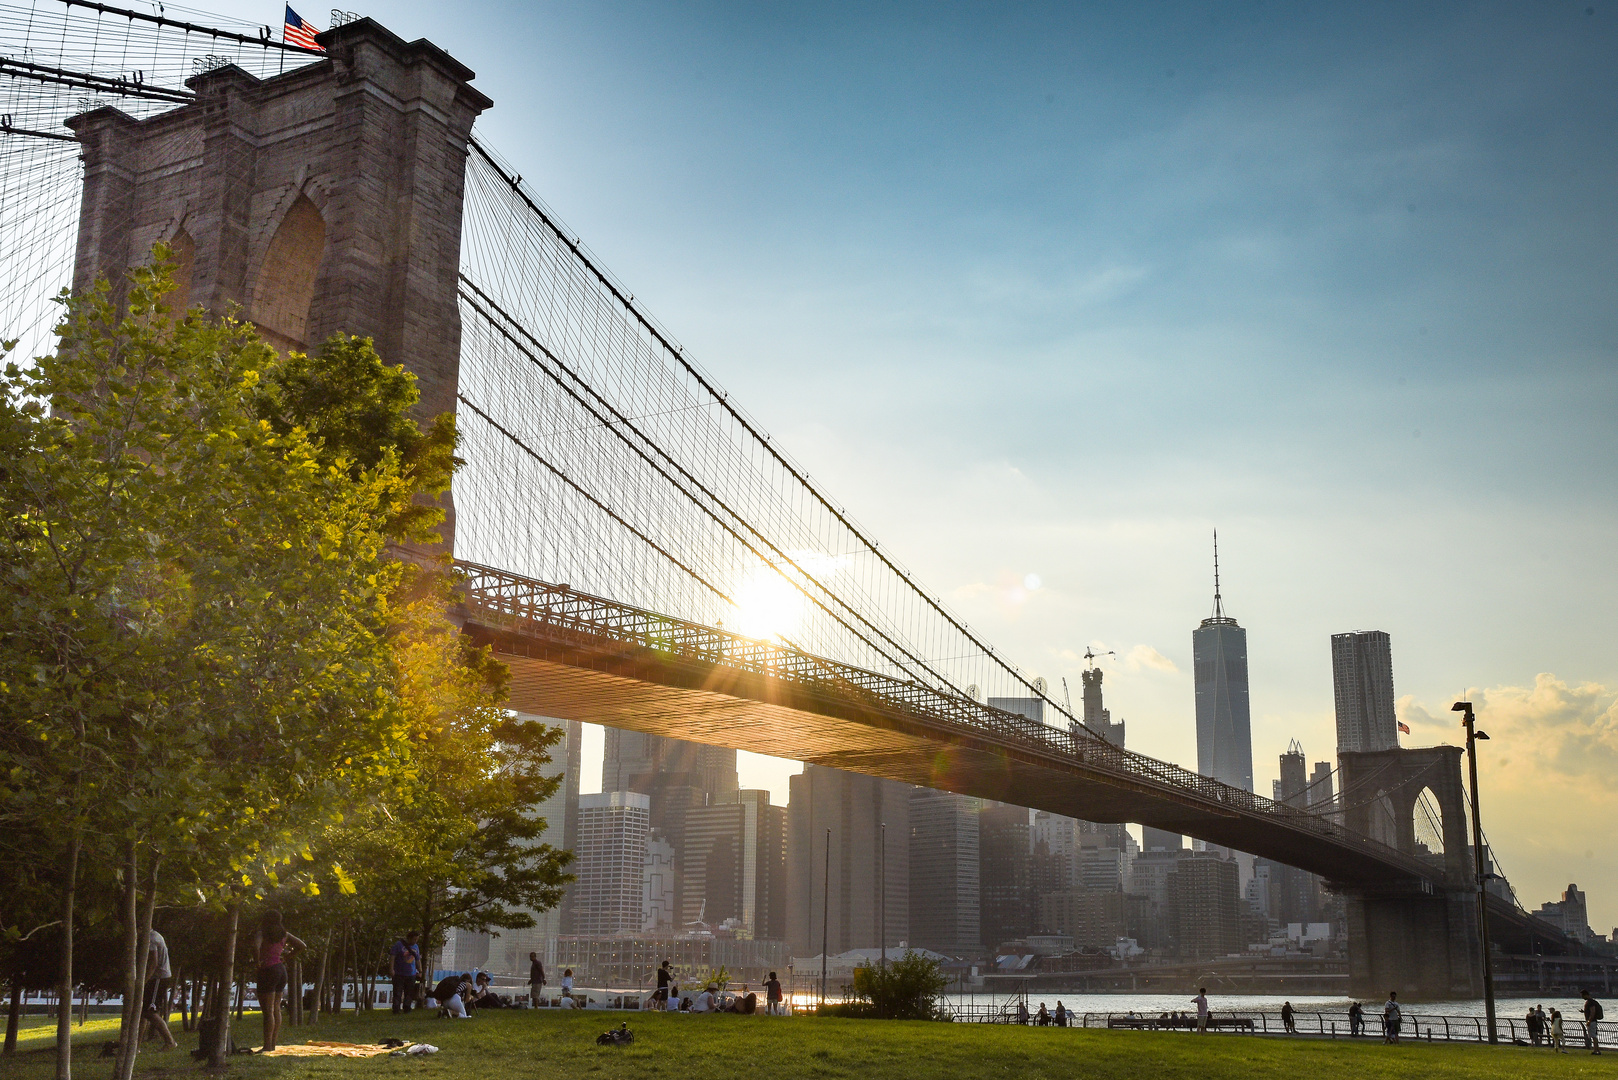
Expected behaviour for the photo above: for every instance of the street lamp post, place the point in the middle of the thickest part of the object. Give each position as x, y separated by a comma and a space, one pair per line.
882, 897
825, 918
1472, 737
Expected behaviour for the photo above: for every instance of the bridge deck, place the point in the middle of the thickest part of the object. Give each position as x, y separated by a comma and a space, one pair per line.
581, 657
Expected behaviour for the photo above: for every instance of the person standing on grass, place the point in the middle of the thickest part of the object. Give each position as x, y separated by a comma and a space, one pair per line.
271, 943
1558, 1044
1535, 1029
1392, 1018
660, 997
536, 979
1201, 1002
406, 956
1356, 1019
155, 1006
1592, 1013
772, 996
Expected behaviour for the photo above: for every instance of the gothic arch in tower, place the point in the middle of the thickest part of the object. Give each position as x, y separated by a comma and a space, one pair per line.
285, 287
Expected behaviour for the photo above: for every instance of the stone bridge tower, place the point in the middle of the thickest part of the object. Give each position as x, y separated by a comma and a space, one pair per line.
1420, 941
326, 199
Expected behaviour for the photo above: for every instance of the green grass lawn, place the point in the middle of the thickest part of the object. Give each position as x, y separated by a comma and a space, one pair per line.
549, 1045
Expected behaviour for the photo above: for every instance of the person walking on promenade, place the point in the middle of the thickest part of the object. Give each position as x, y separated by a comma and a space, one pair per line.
1592, 1013
1061, 1015
1022, 1013
1356, 1020
1201, 1002
1544, 1023
1558, 1044
1043, 1018
1536, 1026
271, 943
1392, 1018
406, 956
536, 980
774, 1000
1287, 1020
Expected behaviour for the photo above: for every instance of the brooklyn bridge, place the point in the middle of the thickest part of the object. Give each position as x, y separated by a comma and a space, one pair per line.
634, 545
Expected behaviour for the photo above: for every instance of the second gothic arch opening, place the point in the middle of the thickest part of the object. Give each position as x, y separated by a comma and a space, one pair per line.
285, 288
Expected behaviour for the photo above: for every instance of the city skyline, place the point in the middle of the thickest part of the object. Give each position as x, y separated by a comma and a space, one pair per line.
1336, 281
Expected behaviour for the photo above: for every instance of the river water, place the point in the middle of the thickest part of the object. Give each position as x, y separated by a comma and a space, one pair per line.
1156, 1004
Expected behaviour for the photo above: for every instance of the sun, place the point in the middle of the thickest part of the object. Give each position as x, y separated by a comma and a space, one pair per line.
768, 606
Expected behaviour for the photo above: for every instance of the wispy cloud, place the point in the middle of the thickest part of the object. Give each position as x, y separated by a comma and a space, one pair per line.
1144, 657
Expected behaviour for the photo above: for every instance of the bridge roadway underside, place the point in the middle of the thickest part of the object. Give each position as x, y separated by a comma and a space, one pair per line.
643, 690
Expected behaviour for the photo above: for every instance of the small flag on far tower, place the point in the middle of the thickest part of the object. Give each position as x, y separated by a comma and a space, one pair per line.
297, 32
1404, 727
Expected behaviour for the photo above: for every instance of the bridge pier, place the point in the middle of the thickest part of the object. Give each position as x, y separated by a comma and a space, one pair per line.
1421, 940
1424, 945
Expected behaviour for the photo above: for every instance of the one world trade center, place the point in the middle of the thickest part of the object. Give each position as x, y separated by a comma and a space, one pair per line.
1224, 728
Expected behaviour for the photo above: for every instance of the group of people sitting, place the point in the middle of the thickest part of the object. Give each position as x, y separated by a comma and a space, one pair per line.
713, 999
1043, 1018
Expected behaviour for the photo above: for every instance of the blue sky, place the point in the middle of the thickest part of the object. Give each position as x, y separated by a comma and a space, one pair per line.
1059, 289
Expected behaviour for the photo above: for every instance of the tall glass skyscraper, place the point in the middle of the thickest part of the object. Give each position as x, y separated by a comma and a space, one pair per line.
1224, 724
1362, 684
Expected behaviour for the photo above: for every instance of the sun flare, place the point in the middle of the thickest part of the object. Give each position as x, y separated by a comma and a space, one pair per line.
768, 606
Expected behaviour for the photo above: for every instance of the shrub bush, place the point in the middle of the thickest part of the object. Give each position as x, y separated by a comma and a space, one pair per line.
907, 989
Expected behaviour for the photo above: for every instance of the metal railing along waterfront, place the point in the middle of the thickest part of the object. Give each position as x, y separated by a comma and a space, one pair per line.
1424, 1027
558, 612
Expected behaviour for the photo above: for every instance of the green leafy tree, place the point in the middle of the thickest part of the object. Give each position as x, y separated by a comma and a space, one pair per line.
195, 648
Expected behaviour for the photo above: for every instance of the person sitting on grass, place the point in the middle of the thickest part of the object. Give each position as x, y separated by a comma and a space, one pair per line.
705, 1000
483, 995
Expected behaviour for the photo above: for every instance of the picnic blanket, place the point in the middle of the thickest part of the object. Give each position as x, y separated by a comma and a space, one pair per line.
330, 1049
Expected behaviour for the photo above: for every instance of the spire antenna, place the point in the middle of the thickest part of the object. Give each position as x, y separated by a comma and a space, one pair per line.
1219, 604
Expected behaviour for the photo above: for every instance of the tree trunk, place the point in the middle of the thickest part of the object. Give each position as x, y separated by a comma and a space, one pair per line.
143, 940
221, 1049
64, 977
320, 979
134, 959
14, 1014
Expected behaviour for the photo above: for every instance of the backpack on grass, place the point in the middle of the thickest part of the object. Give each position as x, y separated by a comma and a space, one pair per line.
621, 1037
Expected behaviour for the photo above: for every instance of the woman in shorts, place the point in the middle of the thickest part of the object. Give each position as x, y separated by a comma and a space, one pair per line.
271, 943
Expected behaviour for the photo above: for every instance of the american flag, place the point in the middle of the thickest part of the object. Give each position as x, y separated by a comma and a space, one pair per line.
1404, 727
298, 32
